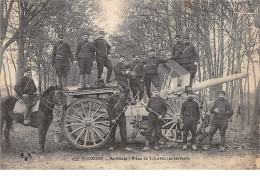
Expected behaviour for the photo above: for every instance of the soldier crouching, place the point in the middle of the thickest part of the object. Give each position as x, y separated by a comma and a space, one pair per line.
116, 105
157, 109
222, 110
190, 115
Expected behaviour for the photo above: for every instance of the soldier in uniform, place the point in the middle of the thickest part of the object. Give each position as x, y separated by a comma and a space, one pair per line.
222, 111
116, 105
102, 57
156, 105
61, 59
177, 49
121, 77
151, 74
190, 115
25, 89
189, 58
84, 54
137, 74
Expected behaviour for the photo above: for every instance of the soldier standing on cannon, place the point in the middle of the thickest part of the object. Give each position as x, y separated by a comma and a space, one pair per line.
60, 60
190, 115
157, 109
84, 54
102, 57
137, 74
189, 58
222, 111
121, 77
25, 89
151, 73
116, 105
177, 49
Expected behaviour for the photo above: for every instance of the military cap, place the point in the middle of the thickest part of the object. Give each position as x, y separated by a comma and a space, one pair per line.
60, 35
152, 50
27, 69
222, 92
188, 89
186, 37
85, 33
178, 36
101, 32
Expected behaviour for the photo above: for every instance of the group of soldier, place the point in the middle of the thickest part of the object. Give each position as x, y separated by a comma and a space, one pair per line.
142, 74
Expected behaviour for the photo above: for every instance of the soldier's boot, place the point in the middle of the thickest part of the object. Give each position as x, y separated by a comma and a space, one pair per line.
146, 147
185, 147
194, 147
156, 146
59, 82
206, 147
27, 120
222, 149
81, 81
65, 82
87, 85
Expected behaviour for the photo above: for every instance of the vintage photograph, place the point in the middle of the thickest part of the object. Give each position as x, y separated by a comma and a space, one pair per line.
129, 84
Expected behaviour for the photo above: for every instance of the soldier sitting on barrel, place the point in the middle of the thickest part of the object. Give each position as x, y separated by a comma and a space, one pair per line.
190, 115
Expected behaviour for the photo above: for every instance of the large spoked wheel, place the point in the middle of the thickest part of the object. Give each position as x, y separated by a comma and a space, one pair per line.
85, 124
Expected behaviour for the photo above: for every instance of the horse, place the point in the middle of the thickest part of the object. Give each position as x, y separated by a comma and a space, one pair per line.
40, 119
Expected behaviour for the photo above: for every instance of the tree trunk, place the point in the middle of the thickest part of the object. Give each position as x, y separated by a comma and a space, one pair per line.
6, 84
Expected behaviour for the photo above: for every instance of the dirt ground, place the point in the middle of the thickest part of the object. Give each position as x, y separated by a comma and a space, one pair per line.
242, 153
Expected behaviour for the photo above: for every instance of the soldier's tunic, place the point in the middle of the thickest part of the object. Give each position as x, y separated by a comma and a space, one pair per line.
136, 82
26, 85
220, 119
115, 106
120, 76
190, 115
158, 105
177, 52
61, 58
102, 57
189, 56
151, 73
84, 54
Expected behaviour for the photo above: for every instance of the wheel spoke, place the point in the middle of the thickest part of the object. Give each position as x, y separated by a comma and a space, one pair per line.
86, 136
99, 127
169, 130
170, 107
167, 123
104, 123
78, 113
92, 136
73, 124
89, 111
81, 133
82, 107
97, 133
101, 116
74, 117
96, 111
76, 130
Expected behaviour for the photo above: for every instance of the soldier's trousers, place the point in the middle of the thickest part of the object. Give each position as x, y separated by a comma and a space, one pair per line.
137, 85
221, 125
155, 125
190, 67
101, 62
125, 86
29, 102
149, 79
191, 126
123, 133
85, 64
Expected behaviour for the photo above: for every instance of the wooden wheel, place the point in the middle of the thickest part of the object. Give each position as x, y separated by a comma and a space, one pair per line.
85, 124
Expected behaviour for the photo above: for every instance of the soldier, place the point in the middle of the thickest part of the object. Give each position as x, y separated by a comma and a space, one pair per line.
116, 105
156, 105
102, 57
177, 49
60, 60
25, 89
190, 115
222, 111
137, 74
189, 59
85, 55
121, 77
151, 73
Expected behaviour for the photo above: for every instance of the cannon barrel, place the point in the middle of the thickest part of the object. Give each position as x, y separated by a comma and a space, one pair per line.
208, 83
